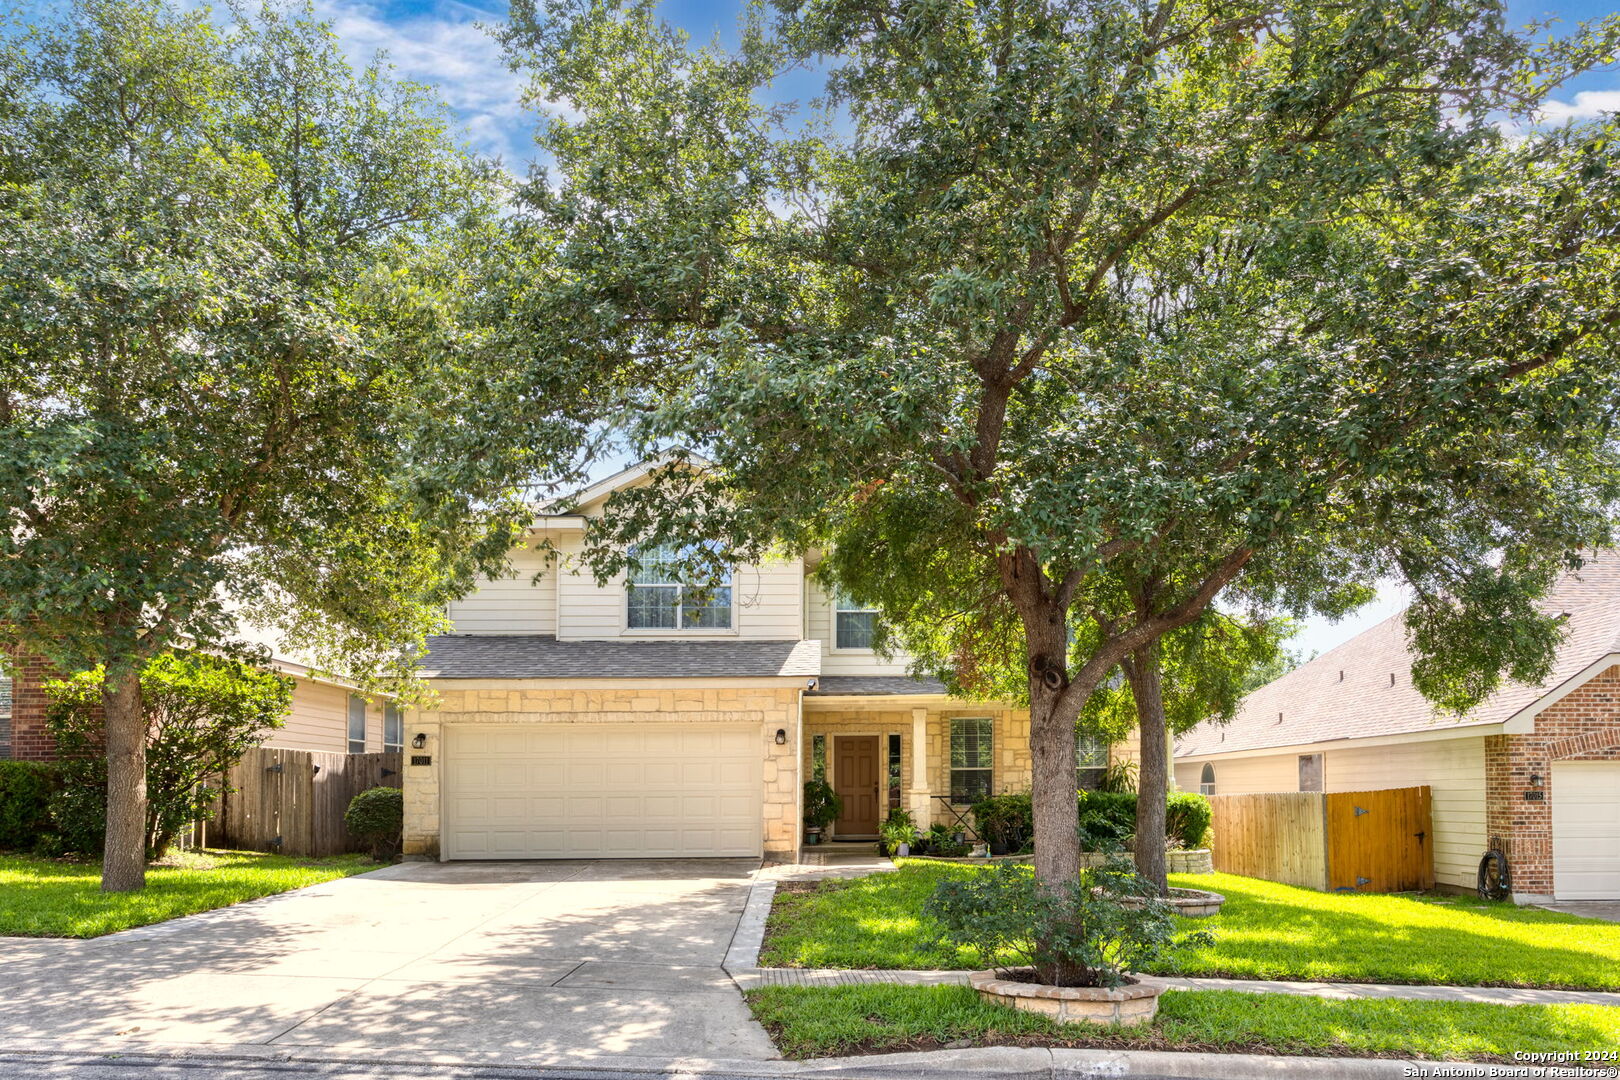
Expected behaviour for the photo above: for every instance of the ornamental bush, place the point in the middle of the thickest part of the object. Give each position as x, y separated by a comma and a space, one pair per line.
1005, 822
377, 816
25, 803
1187, 815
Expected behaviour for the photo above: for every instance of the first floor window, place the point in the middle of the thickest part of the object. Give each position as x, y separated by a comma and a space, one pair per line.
972, 746
854, 625
818, 757
1206, 780
658, 600
1310, 772
393, 728
357, 724
1090, 760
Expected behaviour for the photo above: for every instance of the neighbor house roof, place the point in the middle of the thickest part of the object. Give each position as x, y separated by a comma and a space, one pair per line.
541, 656
1363, 688
862, 685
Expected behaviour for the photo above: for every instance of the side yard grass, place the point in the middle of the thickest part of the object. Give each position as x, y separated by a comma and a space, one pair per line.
809, 1022
56, 898
1266, 931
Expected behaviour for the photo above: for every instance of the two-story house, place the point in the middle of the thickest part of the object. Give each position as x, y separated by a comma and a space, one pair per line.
641, 719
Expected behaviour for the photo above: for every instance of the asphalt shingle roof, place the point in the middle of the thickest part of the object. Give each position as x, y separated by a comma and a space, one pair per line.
1347, 692
536, 656
876, 684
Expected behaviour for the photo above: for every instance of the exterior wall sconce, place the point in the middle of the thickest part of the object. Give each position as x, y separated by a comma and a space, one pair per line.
420, 740
781, 736
1535, 779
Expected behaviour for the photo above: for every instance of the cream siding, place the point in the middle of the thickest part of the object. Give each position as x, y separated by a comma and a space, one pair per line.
1454, 770
320, 721
835, 661
517, 603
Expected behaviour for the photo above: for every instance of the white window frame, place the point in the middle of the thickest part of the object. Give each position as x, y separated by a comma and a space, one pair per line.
1097, 745
728, 584
1206, 779
843, 605
356, 700
988, 769
393, 718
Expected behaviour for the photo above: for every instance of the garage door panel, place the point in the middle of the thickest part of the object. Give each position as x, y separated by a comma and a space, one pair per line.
1586, 830
592, 791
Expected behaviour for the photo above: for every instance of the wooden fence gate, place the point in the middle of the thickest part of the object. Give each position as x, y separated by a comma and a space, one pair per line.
1357, 841
292, 801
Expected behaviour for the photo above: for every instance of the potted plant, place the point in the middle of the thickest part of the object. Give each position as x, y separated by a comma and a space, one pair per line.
899, 832
821, 808
1065, 952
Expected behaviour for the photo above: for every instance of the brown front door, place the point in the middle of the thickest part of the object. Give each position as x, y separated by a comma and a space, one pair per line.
855, 778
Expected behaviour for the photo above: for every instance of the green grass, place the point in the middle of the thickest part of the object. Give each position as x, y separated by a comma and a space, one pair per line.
55, 898
831, 1021
1266, 931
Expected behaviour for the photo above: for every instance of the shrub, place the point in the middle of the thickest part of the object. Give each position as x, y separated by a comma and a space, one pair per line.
1186, 818
202, 712
1089, 932
898, 828
1004, 821
821, 804
1107, 819
25, 802
377, 816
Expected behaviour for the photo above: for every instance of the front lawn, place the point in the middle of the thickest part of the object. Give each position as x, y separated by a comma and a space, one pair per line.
832, 1021
54, 898
1266, 931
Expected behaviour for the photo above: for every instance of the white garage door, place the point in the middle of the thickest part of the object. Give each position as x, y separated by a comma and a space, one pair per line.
1586, 830
593, 791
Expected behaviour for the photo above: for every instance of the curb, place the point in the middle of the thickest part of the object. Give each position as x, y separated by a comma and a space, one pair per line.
749, 937
997, 1062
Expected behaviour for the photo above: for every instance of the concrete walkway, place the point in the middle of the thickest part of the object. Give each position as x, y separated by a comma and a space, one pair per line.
521, 959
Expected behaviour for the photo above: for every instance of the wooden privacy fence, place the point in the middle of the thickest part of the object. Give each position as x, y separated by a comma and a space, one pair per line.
292, 801
1358, 841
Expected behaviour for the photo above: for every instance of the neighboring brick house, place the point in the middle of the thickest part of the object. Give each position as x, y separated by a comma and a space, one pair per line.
326, 715
1535, 770
637, 719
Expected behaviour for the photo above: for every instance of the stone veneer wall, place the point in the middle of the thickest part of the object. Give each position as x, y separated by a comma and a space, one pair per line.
1584, 726
769, 707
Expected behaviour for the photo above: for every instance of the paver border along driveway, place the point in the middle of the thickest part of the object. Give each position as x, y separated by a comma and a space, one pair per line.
527, 959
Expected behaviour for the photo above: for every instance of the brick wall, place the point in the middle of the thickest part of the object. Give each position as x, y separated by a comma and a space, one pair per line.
30, 741
1584, 726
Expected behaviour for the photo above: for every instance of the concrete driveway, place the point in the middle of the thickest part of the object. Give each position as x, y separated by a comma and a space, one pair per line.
527, 960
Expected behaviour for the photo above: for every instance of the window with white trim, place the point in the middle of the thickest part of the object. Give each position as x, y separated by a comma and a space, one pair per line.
656, 598
357, 724
854, 624
972, 750
393, 728
1090, 760
1206, 780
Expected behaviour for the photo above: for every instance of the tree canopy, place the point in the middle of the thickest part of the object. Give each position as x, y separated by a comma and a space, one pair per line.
1053, 301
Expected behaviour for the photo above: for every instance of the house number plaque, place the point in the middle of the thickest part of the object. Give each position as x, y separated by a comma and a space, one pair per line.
1535, 796
421, 759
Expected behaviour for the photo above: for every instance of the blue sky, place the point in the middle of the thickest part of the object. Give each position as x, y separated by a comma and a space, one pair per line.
439, 42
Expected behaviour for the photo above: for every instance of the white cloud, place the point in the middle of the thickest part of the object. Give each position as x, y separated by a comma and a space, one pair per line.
1588, 105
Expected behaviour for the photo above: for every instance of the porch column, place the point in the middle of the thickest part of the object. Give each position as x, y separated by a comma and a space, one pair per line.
921, 804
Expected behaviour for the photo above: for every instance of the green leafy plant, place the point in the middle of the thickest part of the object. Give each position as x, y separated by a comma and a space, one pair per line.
1086, 932
1005, 822
898, 828
377, 816
821, 804
201, 715
1120, 776
1187, 815
25, 801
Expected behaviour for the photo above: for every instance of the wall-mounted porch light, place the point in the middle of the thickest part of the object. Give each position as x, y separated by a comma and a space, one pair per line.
420, 740
781, 736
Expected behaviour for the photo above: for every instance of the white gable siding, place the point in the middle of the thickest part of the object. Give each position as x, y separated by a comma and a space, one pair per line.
514, 604
834, 661
1454, 770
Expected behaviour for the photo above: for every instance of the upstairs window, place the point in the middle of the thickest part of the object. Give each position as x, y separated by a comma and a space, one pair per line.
393, 728
1090, 760
1206, 780
659, 600
357, 724
854, 625
972, 749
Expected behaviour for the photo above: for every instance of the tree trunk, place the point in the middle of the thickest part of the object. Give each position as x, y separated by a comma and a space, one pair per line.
1052, 792
1152, 777
123, 865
